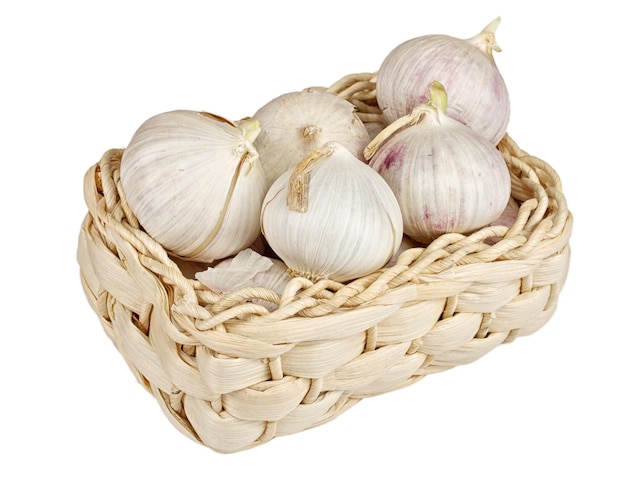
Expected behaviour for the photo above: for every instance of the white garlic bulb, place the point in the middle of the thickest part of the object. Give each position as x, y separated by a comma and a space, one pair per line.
194, 182
332, 217
293, 125
446, 177
477, 93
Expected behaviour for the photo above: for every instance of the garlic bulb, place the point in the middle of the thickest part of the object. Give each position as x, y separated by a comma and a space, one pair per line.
247, 268
477, 92
194, 182
447, 178
295, 124
332, 217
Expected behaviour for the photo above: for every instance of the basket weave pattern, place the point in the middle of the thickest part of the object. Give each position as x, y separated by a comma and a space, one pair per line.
232, 374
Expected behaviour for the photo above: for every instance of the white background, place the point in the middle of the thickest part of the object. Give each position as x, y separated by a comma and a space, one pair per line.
544, 414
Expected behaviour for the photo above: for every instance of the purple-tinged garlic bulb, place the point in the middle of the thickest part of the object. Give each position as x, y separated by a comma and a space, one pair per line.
446, 177
477, 93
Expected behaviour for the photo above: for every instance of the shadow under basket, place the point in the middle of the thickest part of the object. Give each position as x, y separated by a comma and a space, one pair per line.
232, 374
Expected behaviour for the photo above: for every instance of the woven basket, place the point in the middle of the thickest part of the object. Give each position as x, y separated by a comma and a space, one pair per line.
232, 374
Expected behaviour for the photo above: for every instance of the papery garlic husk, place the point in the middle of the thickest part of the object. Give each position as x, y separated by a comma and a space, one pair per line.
477, 93
246, 269
295, 124
332, 217
446, 177
194, 182
241, 271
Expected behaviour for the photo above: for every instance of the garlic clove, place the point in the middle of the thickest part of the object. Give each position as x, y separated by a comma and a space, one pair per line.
332, 217
235, 272
446, 177
295, 124
194, 182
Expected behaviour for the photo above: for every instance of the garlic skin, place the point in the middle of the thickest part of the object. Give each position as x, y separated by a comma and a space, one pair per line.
446, 177
332, 217
194, 182
477, 93
295, 124
247, 268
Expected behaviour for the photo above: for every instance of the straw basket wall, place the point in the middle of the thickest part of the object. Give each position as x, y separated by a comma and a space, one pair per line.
232, 374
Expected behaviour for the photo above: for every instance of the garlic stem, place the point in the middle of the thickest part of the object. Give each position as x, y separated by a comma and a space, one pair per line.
486, 39
310, 131
220, 220
298, 193
438, 104
250, 128
392, 128
438, 96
